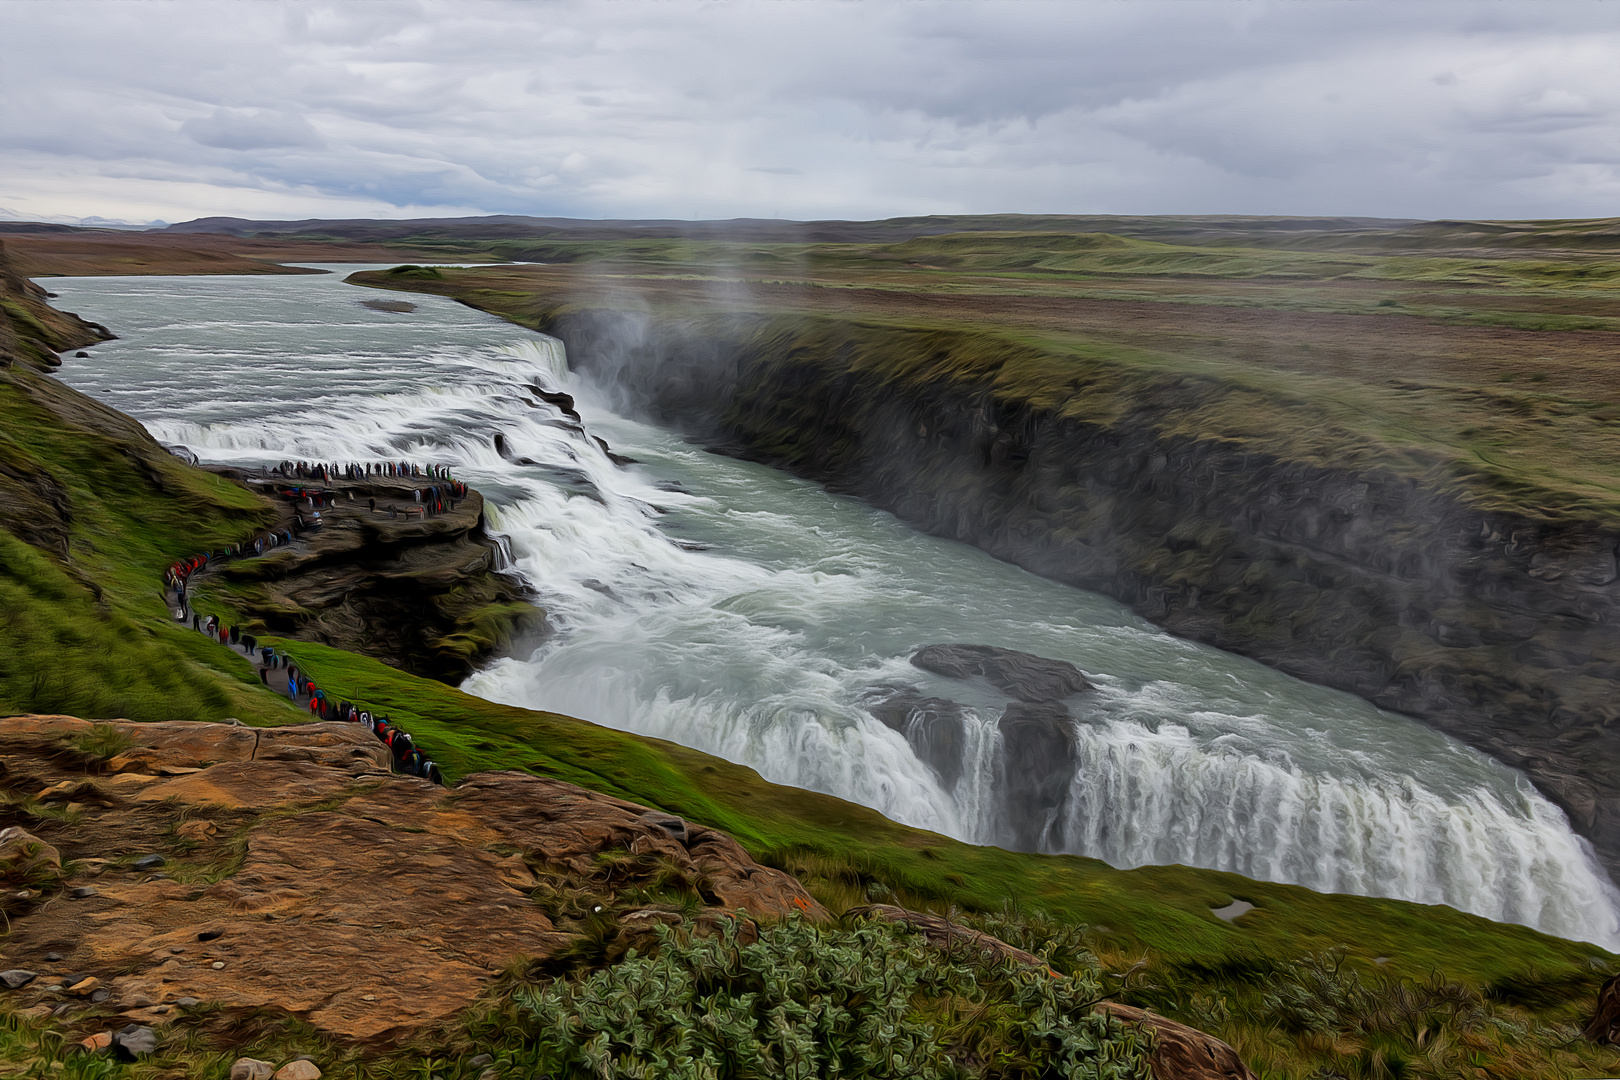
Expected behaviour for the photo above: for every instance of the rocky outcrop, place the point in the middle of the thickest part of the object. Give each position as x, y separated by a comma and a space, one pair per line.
1496, 626
1038, 755
934, 728
1022, 675
294, 872
1039, 758
1181, 1052
423, 593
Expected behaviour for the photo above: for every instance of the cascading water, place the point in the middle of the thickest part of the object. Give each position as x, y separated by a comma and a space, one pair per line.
740, 611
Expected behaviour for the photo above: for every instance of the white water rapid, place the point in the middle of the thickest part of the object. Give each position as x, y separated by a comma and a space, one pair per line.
737, 610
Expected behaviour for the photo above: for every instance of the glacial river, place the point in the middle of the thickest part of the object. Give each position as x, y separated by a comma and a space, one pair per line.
738, 610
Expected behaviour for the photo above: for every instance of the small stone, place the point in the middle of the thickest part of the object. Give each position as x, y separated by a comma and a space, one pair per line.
134, 1041
98, 1042
197, 830
147, 862
369, 997
16, 978
218, 965
85, 987
53, 957
209, 935
252, 1069
62, 1009
188, 1002
298, 1070
490, 1074
82, 892
101, 995
481, 1059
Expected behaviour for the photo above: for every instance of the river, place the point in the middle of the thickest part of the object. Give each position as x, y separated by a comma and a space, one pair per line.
743, 612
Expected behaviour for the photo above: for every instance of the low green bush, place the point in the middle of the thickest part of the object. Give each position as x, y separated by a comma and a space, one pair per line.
872, 1000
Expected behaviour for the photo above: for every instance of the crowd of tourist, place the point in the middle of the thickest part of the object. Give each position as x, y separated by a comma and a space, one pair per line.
276, 669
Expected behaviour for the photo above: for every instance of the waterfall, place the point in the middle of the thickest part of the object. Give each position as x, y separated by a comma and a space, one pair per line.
748, 614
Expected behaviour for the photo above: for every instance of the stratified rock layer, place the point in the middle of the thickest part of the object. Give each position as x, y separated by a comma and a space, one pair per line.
300, 874
422, 593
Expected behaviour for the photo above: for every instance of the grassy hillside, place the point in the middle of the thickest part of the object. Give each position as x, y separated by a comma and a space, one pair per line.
1303, 983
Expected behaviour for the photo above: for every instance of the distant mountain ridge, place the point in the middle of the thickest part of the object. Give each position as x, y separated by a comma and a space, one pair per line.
1347, 233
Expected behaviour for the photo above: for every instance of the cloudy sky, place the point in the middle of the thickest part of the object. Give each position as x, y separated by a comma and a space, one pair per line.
808, 108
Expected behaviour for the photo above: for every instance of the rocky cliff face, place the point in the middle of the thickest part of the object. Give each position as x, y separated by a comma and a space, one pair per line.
1498, 628
423, 593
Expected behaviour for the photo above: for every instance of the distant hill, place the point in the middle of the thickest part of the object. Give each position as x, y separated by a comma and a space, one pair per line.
1217, 230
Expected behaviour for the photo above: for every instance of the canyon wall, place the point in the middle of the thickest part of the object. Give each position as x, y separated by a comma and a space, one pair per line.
1496, 626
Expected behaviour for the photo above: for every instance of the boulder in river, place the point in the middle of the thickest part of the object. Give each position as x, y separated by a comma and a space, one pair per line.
1038, 752
1022, 675
935, 728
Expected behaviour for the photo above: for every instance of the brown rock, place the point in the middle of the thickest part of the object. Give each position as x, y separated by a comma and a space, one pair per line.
944, 934
85, 987
17, 843
251, 1069
1181, 1052
197, 830
98, 1042
386, 910
298, 1070
1605, 1025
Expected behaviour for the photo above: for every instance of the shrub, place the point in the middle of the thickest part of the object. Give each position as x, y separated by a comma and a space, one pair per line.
801, 1001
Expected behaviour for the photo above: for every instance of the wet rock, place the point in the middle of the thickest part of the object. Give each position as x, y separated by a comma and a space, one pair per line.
298, 1069
564, 403
149, 862
247, 1068
134, 1042
935, 728
1022, 675
1181, 1052
1038, 754
16, 978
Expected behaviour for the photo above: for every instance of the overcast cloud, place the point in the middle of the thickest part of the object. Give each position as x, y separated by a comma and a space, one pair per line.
820, 108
